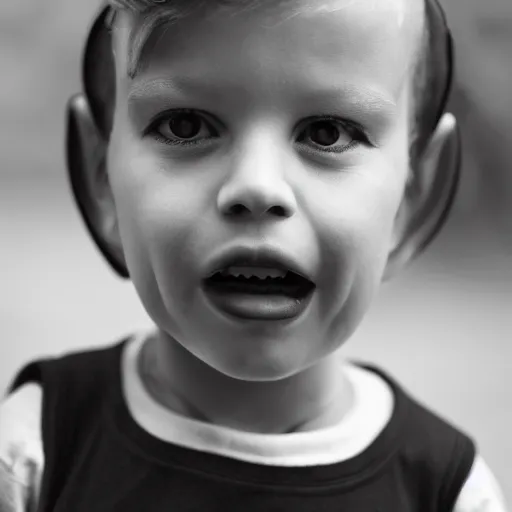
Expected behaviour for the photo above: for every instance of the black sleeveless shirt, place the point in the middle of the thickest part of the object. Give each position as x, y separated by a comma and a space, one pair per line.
98, 459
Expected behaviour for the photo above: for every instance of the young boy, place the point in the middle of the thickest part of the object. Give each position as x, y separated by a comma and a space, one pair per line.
256, 168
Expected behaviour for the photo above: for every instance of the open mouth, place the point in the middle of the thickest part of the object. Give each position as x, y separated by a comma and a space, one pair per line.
263, 284
259, 281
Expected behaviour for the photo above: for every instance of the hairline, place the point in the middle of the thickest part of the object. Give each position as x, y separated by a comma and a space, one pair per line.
149, 19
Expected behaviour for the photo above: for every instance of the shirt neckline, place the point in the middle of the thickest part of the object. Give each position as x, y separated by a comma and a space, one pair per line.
169, 439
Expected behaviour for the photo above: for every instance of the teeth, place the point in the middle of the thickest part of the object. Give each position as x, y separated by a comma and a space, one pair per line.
248, 272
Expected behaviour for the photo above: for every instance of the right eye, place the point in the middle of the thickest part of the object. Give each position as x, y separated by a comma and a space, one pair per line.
183, 127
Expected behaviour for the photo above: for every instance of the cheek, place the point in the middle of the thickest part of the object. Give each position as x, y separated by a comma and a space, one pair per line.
354, 218
153, 196
158, 210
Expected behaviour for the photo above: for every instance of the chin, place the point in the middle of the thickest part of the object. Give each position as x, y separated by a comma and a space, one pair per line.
257, 367
261, 374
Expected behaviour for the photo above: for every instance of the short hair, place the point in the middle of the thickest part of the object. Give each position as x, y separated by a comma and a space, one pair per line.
151, 15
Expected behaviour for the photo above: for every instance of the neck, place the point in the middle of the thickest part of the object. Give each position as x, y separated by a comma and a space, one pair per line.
315, 398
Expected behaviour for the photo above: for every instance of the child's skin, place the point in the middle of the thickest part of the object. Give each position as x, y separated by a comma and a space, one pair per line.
348, 219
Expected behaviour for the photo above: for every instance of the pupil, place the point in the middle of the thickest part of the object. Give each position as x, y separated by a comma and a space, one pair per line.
324, 133
185, 126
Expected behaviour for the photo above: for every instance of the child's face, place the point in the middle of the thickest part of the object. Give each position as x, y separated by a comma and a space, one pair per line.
273, 160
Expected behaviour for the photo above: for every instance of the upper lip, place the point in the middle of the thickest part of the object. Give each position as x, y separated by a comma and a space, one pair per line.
260, 257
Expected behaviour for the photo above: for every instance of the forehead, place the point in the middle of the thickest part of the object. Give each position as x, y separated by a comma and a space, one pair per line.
371, 42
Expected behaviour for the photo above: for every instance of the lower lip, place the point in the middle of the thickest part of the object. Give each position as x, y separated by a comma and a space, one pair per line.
248, 306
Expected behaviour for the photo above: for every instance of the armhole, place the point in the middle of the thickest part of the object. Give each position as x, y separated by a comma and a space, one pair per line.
30, 373
463, 457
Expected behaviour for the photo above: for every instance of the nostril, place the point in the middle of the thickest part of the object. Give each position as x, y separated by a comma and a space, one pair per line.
278, 211
238, 209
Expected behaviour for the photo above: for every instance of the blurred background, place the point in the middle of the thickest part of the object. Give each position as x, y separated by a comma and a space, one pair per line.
444, 328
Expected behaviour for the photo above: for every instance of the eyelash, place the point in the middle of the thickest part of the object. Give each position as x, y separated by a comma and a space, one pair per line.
153, 128
353, 129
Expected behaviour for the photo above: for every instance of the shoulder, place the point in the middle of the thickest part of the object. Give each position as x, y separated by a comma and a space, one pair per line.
21, 450
436, 447
423, 430
81, 370
481, 491
446, 444
20, 426
439, 448
433, 453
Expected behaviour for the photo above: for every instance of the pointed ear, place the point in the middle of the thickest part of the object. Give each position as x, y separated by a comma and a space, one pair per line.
428, 197
86, 162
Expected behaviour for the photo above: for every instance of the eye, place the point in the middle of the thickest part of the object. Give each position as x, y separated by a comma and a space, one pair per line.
331, 135
182, 127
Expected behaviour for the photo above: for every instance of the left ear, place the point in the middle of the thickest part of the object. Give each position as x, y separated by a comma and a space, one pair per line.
428, 197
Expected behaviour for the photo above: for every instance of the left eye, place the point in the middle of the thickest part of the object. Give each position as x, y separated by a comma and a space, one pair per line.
184, 127
330, 135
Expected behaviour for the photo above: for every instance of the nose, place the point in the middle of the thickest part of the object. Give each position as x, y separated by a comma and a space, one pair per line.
256, 187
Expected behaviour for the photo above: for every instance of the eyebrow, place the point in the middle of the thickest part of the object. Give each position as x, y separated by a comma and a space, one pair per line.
347, 98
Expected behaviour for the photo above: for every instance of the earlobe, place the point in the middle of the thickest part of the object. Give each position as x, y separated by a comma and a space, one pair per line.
428, 197
86, 162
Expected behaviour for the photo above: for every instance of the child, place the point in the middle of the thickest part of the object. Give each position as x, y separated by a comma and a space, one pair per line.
256, 168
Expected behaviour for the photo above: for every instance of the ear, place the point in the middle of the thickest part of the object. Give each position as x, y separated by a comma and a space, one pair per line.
428, 197
86, 162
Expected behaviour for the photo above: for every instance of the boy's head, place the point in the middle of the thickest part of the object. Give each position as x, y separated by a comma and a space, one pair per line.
296, 134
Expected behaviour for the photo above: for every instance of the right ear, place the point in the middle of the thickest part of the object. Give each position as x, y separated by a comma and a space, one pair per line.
86, 161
